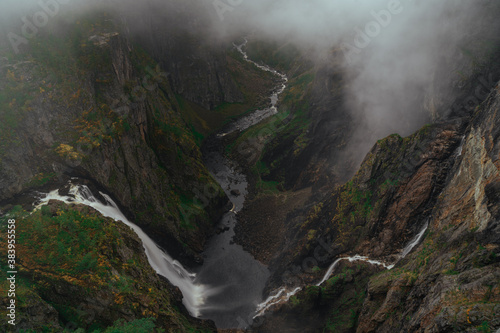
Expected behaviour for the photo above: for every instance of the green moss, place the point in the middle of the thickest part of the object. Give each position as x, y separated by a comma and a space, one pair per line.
344, 315
283, 57
311, 234
485, 327
144, 325
41, 179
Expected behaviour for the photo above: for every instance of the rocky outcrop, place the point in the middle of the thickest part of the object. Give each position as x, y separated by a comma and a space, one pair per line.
182, 45
104, 276
444, 175
457, 287
108, 114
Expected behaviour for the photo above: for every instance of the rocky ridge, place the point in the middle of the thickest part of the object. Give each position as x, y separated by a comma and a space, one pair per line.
449, 282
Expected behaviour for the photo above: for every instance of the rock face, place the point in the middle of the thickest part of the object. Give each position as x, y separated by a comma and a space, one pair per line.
332, 307
445, 175
327, 146
108, 114
196, 62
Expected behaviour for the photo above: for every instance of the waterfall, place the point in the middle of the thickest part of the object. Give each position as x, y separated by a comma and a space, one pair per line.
329, 271
280, 296
256, 116
414, 241
194, 294
351, 259
461, 146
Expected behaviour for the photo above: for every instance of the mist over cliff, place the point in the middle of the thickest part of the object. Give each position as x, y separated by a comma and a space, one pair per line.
397, 55
240, 160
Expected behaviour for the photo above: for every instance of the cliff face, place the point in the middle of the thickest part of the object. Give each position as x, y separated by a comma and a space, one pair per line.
324, 137
180, 42
89, 103
457, 266
79, 270
446, 176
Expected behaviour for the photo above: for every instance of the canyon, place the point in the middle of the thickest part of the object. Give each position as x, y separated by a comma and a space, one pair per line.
163, 179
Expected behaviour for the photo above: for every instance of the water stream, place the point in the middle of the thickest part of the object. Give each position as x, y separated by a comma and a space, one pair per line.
240, 277
283, 294
195, 294
461, 146
257, 116
407, 249
228, 287
351, 259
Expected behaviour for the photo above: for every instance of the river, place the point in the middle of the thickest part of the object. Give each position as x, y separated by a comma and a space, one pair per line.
239, 276
228, 287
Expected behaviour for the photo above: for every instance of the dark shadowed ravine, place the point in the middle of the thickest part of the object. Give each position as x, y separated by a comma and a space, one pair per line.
228, 287
236, 275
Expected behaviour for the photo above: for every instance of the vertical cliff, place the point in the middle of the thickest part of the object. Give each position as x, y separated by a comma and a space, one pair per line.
443, 176
83, 100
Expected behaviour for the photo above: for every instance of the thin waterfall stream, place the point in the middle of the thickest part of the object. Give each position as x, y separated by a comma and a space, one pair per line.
283, 294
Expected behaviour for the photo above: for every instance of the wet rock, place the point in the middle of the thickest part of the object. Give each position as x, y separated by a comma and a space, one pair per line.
220, 230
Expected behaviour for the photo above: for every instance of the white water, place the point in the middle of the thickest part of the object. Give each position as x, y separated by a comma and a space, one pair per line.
194, 294
258, 115
281, 296
264, 68
407, 249
351, 259
460, 148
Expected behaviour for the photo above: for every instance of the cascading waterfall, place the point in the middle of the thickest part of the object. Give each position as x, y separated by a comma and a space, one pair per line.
282, 295
461, 146
256, 116
351, 259
407, 249
194, 293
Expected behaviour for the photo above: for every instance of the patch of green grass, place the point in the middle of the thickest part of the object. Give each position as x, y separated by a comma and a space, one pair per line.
485, 327
267, 187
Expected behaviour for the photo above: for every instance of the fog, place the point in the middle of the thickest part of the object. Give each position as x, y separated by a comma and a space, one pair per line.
403, 59
395, 53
